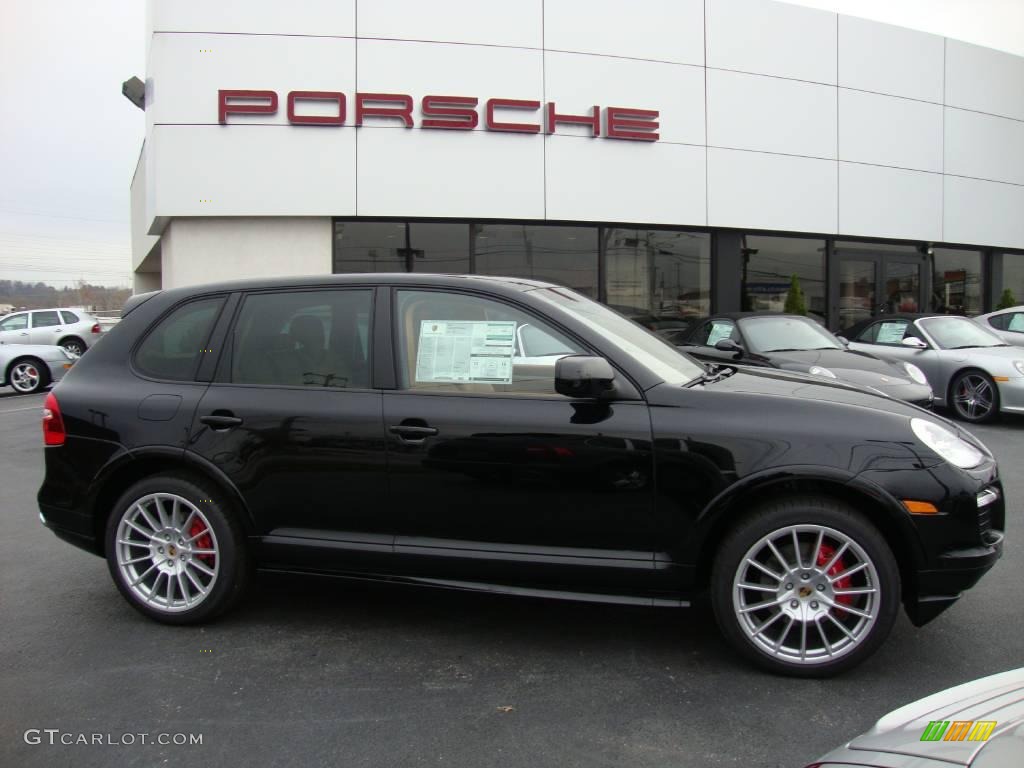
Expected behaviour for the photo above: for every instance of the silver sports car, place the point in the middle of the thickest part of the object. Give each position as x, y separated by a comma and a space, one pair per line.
30, 368
1008, 324
970, 369
978, 724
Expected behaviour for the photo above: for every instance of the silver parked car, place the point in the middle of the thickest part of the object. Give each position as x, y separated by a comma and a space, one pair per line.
1008, 324
73, 329
970, 369
30, 368
978, 724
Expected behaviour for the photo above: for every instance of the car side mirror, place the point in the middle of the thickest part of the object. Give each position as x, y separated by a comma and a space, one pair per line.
843, 340
585, 376
728, 345
913, 341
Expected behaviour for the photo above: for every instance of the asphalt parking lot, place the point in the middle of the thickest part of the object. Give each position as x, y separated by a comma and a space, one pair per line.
320, 672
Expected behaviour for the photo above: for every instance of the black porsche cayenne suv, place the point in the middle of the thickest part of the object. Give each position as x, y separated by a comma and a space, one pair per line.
510, 436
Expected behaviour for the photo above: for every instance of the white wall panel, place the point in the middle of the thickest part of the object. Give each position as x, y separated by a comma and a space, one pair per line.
208, 250
888, 130
887, 59
983, 212
421, 69
309, 17
888, 202
450, 173
984, 146
578, 82
247, 170
518, 23
763, 191
188, 70
984, 80
597, 180
771, 114
770, 38
664, 30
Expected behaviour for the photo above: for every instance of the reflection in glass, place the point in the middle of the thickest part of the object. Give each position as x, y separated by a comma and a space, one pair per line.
956, 282
769, 264
1012, 278
660, 278
440, 248
856, 291
902, 286
563, 255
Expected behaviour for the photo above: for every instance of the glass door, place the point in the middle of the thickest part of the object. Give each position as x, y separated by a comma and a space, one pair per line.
870, 279
858, 280
901, 283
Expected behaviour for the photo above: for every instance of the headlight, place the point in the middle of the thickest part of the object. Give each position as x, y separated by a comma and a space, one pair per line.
915, 373
1019, 365
817, 370
957, 452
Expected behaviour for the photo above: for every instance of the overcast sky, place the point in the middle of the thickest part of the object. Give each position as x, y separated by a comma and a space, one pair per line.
69, 140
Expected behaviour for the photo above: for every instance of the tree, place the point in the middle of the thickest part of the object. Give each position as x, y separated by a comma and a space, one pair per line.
795, 304
1007, 300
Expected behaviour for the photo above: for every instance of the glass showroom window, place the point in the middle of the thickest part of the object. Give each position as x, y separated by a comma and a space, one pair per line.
956, 282
563, 255
771, 263
369, 246
658, 277
1012, 279
439, 248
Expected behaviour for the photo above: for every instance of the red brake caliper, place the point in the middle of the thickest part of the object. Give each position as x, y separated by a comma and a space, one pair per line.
204, 541
824, 555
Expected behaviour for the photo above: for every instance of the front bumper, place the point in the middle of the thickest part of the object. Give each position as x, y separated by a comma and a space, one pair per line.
1011, 395
958, 570
58, 368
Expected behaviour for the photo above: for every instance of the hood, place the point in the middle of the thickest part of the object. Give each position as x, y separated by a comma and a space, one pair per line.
998, 698
849, 365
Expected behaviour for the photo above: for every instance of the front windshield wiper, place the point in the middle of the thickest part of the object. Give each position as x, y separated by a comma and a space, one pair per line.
712, 374
789, 349
978, 346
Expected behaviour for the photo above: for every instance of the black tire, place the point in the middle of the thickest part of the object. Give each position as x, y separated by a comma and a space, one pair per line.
232, 559
42, 370
974, 411
73, 344
810, 511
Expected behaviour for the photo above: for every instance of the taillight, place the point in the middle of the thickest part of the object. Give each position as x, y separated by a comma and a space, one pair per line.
53, 423
95, 327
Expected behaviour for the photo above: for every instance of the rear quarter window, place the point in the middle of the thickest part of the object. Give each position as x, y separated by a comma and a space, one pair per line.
69, 317
173, 347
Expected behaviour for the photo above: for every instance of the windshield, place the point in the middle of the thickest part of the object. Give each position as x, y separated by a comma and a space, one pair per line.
775, 334
960, 333
658, 355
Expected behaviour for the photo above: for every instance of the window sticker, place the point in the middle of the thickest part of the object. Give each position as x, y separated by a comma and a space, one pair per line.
719, 331
1016, 322
891, 333
465, 351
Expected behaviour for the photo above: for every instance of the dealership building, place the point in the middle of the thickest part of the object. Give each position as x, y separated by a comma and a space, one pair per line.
668, 157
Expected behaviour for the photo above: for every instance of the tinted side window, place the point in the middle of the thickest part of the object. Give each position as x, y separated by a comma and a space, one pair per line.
14, 322
303, 339
173, 347
458, 343
69, 317
713, 331
885, 332
45, 319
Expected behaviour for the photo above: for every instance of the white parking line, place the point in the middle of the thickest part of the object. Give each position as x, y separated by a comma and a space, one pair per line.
19, 410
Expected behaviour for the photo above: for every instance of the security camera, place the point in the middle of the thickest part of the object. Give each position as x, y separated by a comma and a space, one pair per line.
134, 90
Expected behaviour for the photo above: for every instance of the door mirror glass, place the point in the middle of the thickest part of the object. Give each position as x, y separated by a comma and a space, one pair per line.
913, 341
585, 376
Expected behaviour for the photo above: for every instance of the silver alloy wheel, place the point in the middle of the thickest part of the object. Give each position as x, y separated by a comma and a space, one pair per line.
167, 552
974, 397
74, 347
806, 594
25, 377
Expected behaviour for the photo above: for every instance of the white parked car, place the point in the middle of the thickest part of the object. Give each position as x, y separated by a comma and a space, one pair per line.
30, 368
73, 329
1008, 324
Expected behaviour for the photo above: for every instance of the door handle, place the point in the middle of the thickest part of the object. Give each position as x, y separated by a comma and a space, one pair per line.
220, 421
410, 433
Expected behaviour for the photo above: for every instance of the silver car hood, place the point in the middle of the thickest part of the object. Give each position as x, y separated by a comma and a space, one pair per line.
999, 698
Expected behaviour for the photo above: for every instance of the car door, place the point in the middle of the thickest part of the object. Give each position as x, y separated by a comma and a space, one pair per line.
14, 329
293, 420
498, 477
884, 339
46, 327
